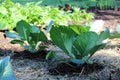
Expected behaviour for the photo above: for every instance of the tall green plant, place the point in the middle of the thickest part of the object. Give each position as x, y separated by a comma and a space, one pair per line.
79, 47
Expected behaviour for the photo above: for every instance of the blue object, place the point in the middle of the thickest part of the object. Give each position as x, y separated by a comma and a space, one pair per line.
78, 61
50, 25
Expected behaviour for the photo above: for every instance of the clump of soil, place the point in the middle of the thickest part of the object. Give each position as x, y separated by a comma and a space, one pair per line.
63, 69
33, 56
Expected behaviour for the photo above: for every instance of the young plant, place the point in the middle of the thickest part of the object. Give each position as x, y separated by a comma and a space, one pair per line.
6, 72
78, 46
81, 17
33, 13
30, 37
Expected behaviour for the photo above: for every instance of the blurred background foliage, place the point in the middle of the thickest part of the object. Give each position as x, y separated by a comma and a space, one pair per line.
72, 2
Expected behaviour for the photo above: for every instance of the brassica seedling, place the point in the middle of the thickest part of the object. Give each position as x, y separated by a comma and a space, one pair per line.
30, 37
79, 47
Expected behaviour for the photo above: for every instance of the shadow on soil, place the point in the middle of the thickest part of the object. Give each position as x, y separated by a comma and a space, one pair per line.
33, 56
110, 12
24, 54
116, 14
63, 69
5, 52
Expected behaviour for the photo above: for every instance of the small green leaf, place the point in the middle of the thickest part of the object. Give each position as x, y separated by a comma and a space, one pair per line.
42, 48
103, 35
115, 36
17, 42
36, 37
35, 29
11, 35
50, 55
96, 48
23, 29
63, 37
79, 29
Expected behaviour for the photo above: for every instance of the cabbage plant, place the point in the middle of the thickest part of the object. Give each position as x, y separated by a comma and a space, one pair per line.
30, 37
78, 45
6, 72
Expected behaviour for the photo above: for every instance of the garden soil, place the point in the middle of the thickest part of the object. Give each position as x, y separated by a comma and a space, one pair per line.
34, 67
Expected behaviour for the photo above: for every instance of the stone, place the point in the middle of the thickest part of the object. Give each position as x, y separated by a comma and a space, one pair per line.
97, 26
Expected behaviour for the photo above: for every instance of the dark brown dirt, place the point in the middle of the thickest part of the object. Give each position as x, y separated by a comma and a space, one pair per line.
63, 69
33, 56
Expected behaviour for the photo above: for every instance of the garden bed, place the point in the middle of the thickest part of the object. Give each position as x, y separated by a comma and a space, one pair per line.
29, 67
